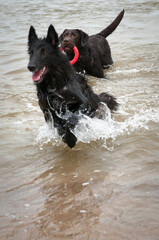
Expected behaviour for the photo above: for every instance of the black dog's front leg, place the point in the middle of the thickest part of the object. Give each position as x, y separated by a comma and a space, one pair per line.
64, 119
66, 104
75, 99
65, 127
69, 137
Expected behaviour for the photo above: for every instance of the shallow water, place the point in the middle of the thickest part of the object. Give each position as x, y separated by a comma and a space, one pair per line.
107, 187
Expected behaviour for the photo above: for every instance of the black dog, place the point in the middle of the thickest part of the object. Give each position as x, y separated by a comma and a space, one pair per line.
94, 51
62, 93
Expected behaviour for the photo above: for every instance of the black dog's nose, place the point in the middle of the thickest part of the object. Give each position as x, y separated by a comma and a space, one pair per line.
31, 68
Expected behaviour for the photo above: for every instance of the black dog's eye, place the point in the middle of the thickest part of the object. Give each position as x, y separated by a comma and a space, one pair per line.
44, 52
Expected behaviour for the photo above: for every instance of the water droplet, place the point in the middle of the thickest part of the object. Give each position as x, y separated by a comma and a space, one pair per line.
85, 184
83, 211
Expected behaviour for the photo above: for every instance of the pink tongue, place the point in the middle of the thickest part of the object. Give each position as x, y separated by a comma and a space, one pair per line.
37, 75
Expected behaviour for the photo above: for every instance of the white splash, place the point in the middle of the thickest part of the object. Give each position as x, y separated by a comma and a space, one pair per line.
93, 129
47, 134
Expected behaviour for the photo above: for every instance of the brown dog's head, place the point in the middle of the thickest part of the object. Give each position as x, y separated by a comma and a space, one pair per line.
73, 37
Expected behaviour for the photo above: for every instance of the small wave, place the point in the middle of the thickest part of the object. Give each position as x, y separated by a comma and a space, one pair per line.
131, 71
93, 129
32, 107
47, 134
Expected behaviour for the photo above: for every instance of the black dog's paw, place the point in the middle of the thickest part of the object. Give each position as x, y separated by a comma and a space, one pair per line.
109, 100
85, 107
69, 137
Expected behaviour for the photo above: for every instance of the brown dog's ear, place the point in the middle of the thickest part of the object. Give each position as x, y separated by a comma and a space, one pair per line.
52, 36
84, 37
61, 36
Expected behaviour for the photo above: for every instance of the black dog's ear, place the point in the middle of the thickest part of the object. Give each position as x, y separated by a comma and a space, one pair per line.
84, 37
52, 36
32, 35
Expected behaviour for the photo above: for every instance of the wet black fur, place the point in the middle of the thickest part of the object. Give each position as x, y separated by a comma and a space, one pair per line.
62, 93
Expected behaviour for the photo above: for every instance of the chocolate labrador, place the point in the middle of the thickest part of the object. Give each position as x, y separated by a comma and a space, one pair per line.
94, 50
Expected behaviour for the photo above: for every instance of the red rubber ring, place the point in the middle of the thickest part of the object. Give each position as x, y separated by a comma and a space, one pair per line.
76, 52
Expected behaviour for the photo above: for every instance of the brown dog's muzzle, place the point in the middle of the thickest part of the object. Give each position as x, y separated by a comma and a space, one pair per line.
67, 44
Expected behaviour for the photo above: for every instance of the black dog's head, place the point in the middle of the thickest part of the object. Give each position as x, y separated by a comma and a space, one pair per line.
41, 52
71, 37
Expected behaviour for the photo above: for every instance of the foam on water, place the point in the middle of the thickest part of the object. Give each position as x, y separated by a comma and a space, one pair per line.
131, 71
93, 129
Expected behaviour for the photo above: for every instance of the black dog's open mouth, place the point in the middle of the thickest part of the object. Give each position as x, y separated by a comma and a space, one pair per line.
38, 75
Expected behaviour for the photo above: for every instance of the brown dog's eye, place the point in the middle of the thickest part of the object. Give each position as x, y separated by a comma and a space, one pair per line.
74, 35
65, 34
44, 52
